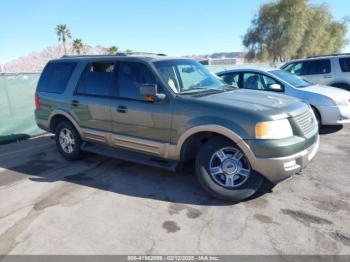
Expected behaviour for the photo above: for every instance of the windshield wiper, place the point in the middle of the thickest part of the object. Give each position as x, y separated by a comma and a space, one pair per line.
204, 91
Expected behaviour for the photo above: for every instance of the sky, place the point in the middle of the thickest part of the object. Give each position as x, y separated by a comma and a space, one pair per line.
173, 27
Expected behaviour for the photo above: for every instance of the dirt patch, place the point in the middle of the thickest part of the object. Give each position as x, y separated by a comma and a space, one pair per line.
263, 219
305, 218
190, 211
171, 226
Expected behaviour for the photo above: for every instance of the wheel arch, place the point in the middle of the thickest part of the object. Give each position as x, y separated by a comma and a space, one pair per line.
204, 132
59, 115
315, 109
341, 84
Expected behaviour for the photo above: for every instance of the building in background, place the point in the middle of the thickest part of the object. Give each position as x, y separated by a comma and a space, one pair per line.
225, 61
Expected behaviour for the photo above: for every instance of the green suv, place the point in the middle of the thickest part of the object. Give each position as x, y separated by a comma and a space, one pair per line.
163, 111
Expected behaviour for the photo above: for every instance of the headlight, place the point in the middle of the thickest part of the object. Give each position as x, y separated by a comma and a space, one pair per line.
273, 129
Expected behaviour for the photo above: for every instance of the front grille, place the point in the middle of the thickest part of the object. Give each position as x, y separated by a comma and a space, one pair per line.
306, 122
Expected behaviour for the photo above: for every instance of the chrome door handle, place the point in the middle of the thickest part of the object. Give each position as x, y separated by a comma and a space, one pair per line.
122, 109
75, 103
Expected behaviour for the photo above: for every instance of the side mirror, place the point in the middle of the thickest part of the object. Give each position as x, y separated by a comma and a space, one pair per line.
149, 92
276, 87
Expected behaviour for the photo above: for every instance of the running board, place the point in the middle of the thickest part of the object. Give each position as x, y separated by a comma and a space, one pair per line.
129, 156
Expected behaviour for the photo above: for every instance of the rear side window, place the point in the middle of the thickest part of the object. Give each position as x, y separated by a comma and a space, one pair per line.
55, 77
96, 79
317, 67
345, 64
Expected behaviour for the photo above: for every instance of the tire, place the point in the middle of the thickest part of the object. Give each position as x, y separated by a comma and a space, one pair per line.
68, 141
318, 116
229, 184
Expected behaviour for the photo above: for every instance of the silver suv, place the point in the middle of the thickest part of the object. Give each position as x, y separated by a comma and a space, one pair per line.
331, 70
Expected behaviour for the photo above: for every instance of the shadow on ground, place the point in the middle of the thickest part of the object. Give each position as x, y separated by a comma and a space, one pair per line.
12, 137
325, 130
113, 175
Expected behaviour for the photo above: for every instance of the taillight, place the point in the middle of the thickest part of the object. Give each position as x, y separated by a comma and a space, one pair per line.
37, 102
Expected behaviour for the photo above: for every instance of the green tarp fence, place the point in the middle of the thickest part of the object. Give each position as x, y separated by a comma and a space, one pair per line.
17, 107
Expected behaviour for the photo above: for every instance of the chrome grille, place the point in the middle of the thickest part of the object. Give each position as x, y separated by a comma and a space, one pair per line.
306, 122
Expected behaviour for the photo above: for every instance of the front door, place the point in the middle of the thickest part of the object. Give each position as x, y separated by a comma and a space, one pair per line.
138, 124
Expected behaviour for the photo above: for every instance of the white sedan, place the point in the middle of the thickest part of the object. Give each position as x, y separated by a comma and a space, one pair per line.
331, 105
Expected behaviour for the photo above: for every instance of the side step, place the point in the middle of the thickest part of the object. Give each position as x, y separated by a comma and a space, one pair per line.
129, 156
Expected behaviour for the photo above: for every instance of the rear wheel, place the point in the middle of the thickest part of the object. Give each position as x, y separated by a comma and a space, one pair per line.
68, 141
225, 172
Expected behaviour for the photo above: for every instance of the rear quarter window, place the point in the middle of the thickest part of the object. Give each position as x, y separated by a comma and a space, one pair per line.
344, 64
55, 77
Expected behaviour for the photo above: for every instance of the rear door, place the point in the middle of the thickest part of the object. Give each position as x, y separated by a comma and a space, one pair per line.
318, 71
91, 102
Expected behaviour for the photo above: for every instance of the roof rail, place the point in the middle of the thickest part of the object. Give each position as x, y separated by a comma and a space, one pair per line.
117, 54
328, 55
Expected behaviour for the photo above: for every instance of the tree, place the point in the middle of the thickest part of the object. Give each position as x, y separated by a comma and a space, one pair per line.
63, 33
78, 46
128, 51
112, 50
286, 29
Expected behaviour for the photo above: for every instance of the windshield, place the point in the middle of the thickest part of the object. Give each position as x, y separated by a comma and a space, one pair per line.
188, 76
291, 79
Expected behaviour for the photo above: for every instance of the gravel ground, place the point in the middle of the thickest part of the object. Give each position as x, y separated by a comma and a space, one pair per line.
105, 206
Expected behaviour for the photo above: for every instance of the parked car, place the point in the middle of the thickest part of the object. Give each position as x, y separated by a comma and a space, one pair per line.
162, 111
331, 70
331, 105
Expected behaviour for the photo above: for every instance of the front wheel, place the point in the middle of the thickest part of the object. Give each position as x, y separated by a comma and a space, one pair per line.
225, 172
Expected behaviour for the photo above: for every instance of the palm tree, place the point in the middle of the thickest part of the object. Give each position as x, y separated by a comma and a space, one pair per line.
128, 51
63, 33
112, 50
78, 45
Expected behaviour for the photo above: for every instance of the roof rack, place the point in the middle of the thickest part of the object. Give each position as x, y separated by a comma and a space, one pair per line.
328, 55
117, 54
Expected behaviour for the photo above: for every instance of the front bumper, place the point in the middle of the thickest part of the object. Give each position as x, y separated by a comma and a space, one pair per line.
278, 169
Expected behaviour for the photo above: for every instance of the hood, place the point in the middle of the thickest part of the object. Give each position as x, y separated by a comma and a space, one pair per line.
334, 93
273, 105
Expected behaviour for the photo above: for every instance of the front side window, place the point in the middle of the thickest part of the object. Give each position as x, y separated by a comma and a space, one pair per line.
344, 64
293, 80
253, 81
187, 76
131, 76
97, 79
231, 79
55, 77
295, 68
317, 67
